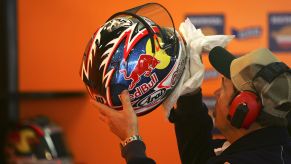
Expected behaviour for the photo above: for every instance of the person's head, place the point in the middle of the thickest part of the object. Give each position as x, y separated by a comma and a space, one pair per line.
255, 87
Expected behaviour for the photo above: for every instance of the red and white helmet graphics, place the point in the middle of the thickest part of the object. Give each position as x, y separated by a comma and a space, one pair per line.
134, 53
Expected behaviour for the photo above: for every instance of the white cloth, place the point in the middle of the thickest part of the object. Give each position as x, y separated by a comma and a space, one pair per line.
219, 150
196, 43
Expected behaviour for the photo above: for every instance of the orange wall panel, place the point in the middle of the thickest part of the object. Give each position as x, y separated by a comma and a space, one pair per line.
52, 37
53, 34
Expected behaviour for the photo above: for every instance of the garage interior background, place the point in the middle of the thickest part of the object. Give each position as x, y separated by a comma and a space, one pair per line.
52, 35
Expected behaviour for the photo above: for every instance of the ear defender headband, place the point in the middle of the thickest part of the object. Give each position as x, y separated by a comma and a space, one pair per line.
246, 106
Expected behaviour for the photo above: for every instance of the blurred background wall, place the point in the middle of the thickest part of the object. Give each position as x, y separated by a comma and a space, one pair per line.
52, 35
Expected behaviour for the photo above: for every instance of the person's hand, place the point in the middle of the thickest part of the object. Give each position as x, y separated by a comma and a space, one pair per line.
122, 123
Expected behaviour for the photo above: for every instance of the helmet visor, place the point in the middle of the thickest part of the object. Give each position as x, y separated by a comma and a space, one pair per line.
155, 13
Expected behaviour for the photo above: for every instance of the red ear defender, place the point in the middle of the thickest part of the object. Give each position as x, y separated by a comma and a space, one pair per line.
244, 109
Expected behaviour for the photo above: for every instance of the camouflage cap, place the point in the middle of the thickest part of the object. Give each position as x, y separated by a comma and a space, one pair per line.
258, 71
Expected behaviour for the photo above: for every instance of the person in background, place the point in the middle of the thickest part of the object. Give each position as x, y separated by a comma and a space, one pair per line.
251, 108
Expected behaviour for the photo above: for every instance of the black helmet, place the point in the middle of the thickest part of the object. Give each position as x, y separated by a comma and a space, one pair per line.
138, 50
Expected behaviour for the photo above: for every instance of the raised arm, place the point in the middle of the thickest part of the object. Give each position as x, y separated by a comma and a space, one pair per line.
193, 128
124, 124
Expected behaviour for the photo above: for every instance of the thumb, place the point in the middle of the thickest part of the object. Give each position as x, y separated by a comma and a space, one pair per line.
125, 100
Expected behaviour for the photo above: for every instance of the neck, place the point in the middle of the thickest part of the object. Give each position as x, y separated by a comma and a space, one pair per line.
234, 134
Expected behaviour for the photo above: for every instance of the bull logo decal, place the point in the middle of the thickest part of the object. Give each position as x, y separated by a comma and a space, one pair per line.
144, 66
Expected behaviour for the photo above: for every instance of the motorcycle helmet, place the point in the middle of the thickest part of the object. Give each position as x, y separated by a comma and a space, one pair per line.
138, 50
37, 140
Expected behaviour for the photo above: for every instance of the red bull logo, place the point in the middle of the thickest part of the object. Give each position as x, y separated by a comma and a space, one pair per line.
145, 87
144, 67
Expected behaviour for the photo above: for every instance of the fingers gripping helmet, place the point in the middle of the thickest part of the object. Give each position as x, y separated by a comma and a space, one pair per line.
138, 50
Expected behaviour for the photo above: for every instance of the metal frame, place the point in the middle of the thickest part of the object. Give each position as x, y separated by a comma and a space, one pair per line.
9, 69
